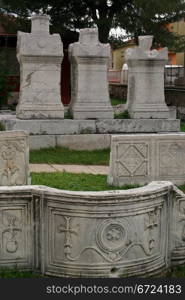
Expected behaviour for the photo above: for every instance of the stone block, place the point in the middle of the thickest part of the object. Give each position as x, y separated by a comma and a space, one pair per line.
141, 158
89, 62
40, 55
145, 97
137, 126
14, 158
85, 127
84, 141
41, 141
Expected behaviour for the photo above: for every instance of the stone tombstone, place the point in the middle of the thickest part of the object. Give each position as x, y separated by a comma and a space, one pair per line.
141, 158
145, 98
89, 86
14, 158
40, 55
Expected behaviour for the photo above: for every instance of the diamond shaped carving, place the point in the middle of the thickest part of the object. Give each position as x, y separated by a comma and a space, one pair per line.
133, 159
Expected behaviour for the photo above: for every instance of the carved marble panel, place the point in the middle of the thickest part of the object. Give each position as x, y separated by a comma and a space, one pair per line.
91, 240
14, 158
16, 231
136, 232
141, 158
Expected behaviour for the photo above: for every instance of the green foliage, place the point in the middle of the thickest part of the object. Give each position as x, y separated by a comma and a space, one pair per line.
135, 16
145, 17
75, 182
3, 79
182, 126
2, 127
67, 115
123, 115
61, 155
15, 273
116, 101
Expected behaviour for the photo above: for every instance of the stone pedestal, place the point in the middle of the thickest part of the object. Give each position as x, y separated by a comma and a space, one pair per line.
40, 55
145, 97
89, 86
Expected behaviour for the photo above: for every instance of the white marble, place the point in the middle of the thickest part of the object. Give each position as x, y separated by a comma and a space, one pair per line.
89, 86
145, 97
14, 158
140, 158
40, 55
136, 232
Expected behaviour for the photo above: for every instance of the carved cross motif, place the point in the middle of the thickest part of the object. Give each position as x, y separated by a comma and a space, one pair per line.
10, 232
152, 220
68, 231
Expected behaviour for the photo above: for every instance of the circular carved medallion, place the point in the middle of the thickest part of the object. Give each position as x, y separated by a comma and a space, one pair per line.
112, 236
41, 43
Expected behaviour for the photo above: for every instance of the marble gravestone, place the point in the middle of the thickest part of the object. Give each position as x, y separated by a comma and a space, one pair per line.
89, 86
14, 158
141, 158
40, 55
145, 98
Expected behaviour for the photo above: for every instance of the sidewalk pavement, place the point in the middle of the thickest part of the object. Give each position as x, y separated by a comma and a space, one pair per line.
37, 168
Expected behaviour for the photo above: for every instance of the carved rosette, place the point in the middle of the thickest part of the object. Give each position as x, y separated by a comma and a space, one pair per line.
112, 237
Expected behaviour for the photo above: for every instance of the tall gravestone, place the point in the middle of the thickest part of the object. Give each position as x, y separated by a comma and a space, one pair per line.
40, 55
145, 97
89, 87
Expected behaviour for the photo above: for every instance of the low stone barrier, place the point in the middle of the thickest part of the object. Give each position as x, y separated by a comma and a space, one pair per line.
92, 234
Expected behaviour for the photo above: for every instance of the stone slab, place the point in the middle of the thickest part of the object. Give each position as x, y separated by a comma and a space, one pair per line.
84, 141
14, 158
141, 158
70, 126
136, 232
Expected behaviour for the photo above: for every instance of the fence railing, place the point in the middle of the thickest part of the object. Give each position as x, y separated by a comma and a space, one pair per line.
171, 74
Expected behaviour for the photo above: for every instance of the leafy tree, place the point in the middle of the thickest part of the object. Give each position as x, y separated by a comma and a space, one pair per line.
135, 16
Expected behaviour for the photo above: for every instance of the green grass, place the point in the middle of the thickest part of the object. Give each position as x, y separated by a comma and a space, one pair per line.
176, 272
182, 128
61, 155
75, 182
14, 273
122, 115
2, 127
116, 101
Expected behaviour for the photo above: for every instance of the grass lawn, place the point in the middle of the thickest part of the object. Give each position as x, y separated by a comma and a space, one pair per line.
61, 155
75, 182
182, 128
116, 101
14, 273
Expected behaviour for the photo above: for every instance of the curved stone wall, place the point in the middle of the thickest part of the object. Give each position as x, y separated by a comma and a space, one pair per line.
137, 232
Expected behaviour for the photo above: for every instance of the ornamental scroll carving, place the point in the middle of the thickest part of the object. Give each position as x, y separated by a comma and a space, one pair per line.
12, 163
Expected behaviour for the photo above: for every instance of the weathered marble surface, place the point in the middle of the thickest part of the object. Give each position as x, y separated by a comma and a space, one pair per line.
141, 158
40, 55
14, 158
67, 126
89, 85
145, 98
92, 234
